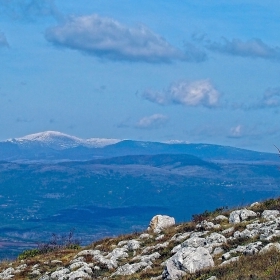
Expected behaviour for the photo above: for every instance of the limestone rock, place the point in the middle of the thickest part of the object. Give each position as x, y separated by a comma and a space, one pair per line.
132, 245
207, 225
255, 204
221, 218
188, 259
45, 277
35, 272
118, 253
129, 269
270, 214
155, 247
216, 239
80, 274
246, 234
7, 273
147, 258
234, 259
270, 246
238, 216
180, 236
160, 222
145, 236
217, 251
159, 237
60, 274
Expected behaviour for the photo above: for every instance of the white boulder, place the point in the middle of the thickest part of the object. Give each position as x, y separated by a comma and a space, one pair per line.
270, 214
187, 260
160, 222
238, 216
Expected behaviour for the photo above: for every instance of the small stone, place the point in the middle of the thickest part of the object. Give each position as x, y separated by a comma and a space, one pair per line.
255, 204
234, 259
270, 246
160, 237
145, 236
221, 218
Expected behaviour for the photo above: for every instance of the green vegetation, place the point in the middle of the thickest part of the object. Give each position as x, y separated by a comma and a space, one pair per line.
56, 243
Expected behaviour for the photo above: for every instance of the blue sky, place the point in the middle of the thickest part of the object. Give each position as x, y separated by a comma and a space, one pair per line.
145, 70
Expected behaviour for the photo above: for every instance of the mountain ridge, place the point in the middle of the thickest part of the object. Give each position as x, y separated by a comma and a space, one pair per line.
53, 145
61, 140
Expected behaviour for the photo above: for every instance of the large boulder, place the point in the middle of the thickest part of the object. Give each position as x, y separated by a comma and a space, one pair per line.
270, 214
160, 222
187, 260
238, 216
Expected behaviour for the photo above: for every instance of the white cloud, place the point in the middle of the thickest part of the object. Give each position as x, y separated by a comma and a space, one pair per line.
254, 48
107, 38
236, 131
252, 132
152, 122
197, 93
270, 99
3, 40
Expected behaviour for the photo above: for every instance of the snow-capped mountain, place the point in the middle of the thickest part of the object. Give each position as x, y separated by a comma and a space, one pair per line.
59, 141
53, 145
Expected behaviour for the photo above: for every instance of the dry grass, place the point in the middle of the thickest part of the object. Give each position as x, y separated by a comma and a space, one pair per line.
265, 266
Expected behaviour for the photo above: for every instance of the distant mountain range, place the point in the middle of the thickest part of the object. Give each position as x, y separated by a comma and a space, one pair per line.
52, 145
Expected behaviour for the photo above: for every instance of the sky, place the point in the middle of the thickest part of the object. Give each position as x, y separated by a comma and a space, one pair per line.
193, 71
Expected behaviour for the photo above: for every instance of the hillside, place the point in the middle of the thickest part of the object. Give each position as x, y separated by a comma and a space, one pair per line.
104, 197
222, 244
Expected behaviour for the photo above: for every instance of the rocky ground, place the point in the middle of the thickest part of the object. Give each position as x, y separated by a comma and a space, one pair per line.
217, 245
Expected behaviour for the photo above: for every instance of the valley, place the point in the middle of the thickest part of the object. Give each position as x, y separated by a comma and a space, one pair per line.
108, 197
55, 185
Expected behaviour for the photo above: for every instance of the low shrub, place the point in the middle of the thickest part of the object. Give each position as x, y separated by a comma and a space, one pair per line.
57, 242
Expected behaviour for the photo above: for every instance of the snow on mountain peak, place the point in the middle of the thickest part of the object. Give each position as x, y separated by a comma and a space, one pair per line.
47, 136
176, 142
58, 140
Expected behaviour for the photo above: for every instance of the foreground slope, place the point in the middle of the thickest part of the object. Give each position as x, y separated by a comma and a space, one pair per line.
236, 244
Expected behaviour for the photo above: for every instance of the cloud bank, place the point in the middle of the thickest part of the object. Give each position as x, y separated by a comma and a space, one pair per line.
152, 122
198, 93
254, 48
270, 99
107, 38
